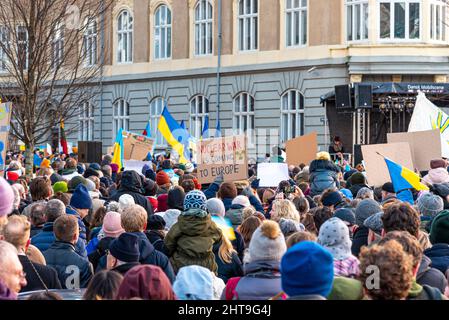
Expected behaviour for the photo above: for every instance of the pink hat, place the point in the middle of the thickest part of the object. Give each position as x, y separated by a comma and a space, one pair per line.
6, 197
112, 226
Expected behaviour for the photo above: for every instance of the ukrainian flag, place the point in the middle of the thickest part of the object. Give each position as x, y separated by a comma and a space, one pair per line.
175, 135
403, 178
205, 132
225, 225
119, 150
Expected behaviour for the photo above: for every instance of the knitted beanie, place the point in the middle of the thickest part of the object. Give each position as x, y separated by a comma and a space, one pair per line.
189, 167
332, 198
267, 243
60, 186
75, 181
114, 167
112, 226
334, 236
195, 199
357, 178
439, 230
366, 208
45, 163
81, 198
241, 200
289, 226
215, 207
7, 196
438, 163
162, 178
430, 205
345, 214
375, 222
125, 248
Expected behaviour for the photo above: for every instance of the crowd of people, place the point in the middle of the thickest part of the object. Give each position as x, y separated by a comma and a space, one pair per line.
159, 234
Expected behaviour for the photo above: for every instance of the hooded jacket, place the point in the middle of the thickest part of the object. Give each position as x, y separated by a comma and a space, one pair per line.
430, 276
359, 239
439, 255
323, 175
436, 176
131, 184
235, 214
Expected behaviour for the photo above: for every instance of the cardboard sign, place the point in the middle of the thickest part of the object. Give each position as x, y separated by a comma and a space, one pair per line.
375, 166
5, 119
136, 146
424, 145
302, 149
270, 174
226, 155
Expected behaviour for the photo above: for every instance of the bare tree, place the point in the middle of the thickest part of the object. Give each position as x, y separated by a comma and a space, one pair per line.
50, 62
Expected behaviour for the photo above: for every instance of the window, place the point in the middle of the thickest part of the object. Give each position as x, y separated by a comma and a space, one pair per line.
58, 46
357, 20
162, 33
22, 47
156, 108
4, 39
125, 37
243, 119
86, 122
248, 25
292, 115
438, 20
90, 43
121, 116
399, 19
203, 28
296, 22
199, 109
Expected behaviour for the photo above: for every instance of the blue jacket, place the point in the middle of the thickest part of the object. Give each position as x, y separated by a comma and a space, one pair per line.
83, 229
211, 192
439, 254
46, 237
323, 175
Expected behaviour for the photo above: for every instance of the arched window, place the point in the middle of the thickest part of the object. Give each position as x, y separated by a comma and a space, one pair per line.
121, 116
296, 22
86, 122
125, 37
156, 108
248, 25
199, 109
243, 119
292, 115
203, 28
90, 43
162, 33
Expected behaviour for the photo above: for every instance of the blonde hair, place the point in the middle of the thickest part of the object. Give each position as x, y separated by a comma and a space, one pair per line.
323, 155
17, 231
134, 218
226, 250
267, 194
284, 209
248, 212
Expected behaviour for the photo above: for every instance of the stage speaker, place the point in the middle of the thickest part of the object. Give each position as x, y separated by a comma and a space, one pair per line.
358, 156
89, 151
363, 96
343, 97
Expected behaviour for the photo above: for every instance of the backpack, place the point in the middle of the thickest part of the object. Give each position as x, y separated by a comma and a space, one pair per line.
429, 293
231, 285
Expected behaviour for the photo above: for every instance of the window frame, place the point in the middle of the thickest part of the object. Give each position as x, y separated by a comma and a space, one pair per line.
364, 5
299, 113
57, 46
303, 37
443, 8
3, 55
168, 29
123, 33
255, 43
120, 120
90, 36
248, 115
86, 116
199, 22
157, 102
196, 119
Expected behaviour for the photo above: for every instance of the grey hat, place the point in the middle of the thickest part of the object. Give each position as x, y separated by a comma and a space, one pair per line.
374, 222
267, 243
334, 236
430, 205
215, 207
289, 226
366, 208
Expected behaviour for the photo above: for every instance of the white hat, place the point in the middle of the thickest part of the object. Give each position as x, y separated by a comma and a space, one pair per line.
241, 200
125, 201
189, 167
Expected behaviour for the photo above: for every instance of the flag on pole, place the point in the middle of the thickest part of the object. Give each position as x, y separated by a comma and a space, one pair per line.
218, 130
63, 142
205, 132
427, 116
176, 136
119, 150
403, 178
147, 131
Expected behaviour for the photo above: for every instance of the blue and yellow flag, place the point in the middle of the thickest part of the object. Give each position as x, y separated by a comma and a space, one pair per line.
119, 150
226, 227
403, 178
205, 132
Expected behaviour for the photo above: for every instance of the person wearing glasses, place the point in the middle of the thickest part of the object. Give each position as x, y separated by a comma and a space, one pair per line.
12, 277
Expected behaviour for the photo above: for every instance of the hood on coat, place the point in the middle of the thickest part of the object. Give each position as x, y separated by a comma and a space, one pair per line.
193, 225
145, 246
424, 265
323, 164
131, 181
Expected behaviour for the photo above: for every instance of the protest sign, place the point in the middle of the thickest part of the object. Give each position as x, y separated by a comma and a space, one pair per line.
226, 155
136, 146
424, 145
5, 118
375, 166
270, 174
136, 165
302, 149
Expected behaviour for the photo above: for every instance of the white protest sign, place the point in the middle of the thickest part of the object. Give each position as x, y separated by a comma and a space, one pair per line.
136, 165
270, 174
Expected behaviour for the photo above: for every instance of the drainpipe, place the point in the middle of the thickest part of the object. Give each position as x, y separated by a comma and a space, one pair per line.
219, 41
101, 67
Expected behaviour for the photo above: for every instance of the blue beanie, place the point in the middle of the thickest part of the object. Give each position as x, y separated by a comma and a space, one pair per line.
149, 174
347, 193
79, 169
195, 199
95, 166
81, 198
307, 269
332, 198
125, 248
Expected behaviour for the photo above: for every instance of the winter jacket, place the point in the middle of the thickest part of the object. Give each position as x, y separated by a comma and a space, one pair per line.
83, 230
235, 215
436, 176
190, 241
131, 184
355, 189
439, 254
425, 292
227, 270
44, 240
239, 244
430, 276
227, 203
156, 239
124, 268
35, 230
100, 251
48, 275
68, 174
211, 192
149, 255
359, 239
323, 175
62, 256
262, 281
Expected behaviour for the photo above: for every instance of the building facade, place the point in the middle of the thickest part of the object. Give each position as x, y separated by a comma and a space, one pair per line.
277, 57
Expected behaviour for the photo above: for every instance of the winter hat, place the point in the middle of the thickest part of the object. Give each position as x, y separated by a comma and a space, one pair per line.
60, 186
45, 163
357, 178
430, 205
195, 199
307, 269
91, 172
156, 222
12, 176
114, 167
347, 193
438, 163
125, 248
175, 199
112, 224
80, 169
332, 198
90, 185
75, 181
81, 198
194, 283
182, 167
439, 230
125, 201
441, 189
95, 166
162, 203
345, 214
189, 167
366, 208
348, 174
289, 226
323, 155
241, 200
162, 178
149, 174
267, 242
215, 207
167, 164
374, 222
334, 236
55, 178
7, 196
388, 187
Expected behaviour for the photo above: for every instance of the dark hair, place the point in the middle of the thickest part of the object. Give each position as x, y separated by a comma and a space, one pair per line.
300, 236
188, 185
46, 295
175, 198
97, 217
40, 188
227, 190
64, 197
321, 215
247, 228
301, 204
401, 217
103, 286
37, 214
408, 242
150, 188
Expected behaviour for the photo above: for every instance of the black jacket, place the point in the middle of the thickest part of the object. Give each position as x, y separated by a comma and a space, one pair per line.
156, 239
48, 275
227, 270
131, 183
124, 268
359, 239
102, 246
439, 254
430, 276
239, 244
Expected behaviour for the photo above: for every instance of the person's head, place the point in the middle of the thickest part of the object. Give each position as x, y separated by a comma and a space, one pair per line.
300, 236
124, 201
387, 190
134, 218
44, 172
284, 209
307, 269
96, 181
81, 201
66, 229
321, 215
20, 189
247, 228
195, 200
215, 207
365, 209
150, 188
11, 270
156, 223
267, 243
103, 286
347, 215
194, 283
430, 205
439, 230
289, 226
227, 190
175, 198
37, 214
301, 205
401, 217
54, 208
147, 282
330, 198
112, 224
375, 226
107, 170
40, 188
394, 269
45, 296
163, 179
365, 193
6, 205
408, 242
188, 185
75, 182
124, 249
267, 195
323, 155
17, 232
70, 163
334, 236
